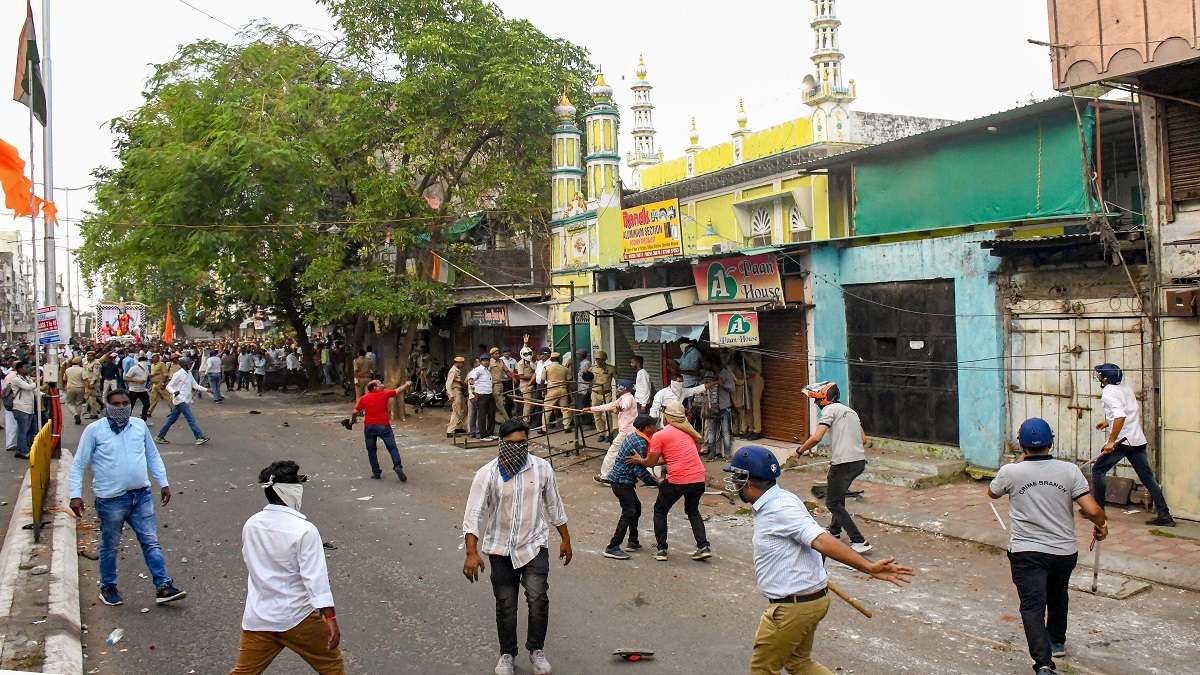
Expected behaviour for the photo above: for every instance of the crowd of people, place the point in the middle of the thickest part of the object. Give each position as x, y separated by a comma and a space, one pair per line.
506, 521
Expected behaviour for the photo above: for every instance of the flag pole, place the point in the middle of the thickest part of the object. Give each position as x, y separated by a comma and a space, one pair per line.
37, 398
52, 297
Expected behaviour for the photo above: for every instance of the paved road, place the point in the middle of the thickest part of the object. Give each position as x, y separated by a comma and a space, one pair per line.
404, 606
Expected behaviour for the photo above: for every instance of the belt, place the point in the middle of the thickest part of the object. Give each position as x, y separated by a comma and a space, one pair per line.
806, 597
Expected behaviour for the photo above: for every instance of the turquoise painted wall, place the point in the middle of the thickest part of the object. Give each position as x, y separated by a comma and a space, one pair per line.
982, 419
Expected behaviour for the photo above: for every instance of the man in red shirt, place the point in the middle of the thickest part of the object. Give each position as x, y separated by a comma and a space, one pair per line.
377, 424
676, 447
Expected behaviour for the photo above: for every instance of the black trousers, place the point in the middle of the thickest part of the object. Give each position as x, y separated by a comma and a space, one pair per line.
668, 494
631, 511
839, 479
485, 415
506, 579
1041, 580
144, 397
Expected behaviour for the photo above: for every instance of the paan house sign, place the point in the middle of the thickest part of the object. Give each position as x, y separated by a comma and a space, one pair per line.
733, 329
486, 315
739, 279
650, 231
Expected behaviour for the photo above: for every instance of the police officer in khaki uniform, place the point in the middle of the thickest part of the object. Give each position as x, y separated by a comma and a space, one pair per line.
754, 383
456, 391
499, 373
557, 375
602, 380
526, 372
91, 385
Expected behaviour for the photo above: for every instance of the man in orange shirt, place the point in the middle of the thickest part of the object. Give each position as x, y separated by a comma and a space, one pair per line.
377, 424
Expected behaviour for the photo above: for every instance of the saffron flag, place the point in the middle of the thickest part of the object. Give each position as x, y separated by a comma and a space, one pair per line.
28, 88
18, 189
440, 270
168, 327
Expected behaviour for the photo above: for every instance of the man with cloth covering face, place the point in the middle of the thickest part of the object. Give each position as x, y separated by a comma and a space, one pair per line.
512, 501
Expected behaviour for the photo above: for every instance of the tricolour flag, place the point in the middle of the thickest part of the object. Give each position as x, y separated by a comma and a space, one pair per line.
28, 87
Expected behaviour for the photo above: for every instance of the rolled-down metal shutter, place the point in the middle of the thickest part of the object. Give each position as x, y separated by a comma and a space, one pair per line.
652, 361
623, 346
1182, 124
785, 406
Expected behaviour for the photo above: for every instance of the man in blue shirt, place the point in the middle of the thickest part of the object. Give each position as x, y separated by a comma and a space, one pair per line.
788, 549
123, 457
623, 478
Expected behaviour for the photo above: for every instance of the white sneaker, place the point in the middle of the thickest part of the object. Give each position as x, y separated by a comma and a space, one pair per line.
862, 547
505, 665
540, 665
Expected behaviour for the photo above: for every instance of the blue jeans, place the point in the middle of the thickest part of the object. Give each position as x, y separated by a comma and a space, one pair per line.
185, 410
373, 432
718, 437
1136, 454
26, 430
135, 507
214, 383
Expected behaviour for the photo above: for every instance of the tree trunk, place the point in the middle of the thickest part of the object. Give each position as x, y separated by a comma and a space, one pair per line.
396, 348
286, 289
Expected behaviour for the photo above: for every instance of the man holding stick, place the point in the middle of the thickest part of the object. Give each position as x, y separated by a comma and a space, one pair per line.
1042, 549
788, 545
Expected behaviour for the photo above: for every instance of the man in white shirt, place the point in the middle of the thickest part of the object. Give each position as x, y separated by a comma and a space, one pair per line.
479, 383
512, 501
288, 599
212, 370
1126, 440
539, 384
181, 387
137, 381
641, 384
245, 369
675, 392
788, 550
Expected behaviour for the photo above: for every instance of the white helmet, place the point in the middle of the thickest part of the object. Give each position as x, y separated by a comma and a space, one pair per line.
526, 353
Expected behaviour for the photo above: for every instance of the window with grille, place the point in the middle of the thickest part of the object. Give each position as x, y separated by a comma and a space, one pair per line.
760, 227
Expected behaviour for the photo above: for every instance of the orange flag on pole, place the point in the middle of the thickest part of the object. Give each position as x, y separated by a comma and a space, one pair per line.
168, 327
18, 189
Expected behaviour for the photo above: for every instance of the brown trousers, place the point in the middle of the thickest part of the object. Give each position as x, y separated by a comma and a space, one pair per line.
309, 639
785, 639
158, 393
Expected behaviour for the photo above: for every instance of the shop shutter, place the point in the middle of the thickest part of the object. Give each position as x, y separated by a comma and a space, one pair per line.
652, 361
1182, 126
623, 346
785, 406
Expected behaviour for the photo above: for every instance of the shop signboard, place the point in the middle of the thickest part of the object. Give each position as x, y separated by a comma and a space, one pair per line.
47, 326
651, 231
733, 329
752, 278
485, 315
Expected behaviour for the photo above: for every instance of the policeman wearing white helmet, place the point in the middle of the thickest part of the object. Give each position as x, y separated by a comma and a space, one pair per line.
1125, 440
788, 545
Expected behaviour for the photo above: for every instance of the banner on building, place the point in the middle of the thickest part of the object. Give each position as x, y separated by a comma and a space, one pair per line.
733, 329
651, 231
752, 278
47, 326
120, 321
485, 315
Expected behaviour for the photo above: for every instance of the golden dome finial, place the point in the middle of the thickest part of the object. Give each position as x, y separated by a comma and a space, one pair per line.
601, 89
694, 135
565, 109
641, 68
741, 114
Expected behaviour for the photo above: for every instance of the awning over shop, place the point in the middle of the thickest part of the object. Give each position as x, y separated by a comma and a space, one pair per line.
610, 300
688, 322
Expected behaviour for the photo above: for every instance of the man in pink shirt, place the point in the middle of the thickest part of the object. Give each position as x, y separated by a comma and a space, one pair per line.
676, 447
627, 410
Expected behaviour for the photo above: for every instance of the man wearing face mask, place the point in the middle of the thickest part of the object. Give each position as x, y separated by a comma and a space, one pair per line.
526, 372
512, 501
788, 545
123, 458
288, 600
674, 392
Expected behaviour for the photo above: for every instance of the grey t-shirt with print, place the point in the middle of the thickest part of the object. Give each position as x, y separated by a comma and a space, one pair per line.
1041, 495
845, 433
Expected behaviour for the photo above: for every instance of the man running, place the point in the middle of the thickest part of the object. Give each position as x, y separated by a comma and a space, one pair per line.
507, 520
182, 387
288, 600
377, 425
1126, 440
623, 478
788, 550
1042, 549
847, 443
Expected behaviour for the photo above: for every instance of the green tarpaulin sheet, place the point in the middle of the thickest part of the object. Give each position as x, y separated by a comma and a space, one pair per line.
1024, 170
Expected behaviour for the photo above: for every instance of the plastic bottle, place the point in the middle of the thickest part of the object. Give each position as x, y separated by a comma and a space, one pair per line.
115, 637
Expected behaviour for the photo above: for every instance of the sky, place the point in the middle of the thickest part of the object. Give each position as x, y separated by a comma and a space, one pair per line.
937, 58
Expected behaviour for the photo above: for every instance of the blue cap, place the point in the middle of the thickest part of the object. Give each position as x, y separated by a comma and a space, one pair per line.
1035, 434
483, 357
756, 461
625, 383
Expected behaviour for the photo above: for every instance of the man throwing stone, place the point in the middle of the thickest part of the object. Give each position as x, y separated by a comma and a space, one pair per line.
377, 425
